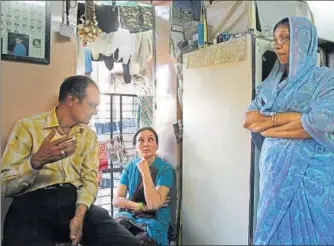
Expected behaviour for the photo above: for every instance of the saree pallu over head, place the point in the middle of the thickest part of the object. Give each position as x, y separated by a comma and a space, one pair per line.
296, 203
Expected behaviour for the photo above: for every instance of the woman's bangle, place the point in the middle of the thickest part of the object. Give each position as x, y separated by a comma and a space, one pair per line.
274, 120
140, 206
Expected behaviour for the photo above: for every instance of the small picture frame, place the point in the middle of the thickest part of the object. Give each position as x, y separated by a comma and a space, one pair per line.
25, 31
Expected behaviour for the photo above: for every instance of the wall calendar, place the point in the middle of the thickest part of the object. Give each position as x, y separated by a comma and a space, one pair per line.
25, 31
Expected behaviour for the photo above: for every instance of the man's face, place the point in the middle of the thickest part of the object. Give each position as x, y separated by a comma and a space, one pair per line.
82, 112
18, 41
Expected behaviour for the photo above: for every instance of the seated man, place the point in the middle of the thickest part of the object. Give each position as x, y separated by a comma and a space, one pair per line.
49, 167
143, 193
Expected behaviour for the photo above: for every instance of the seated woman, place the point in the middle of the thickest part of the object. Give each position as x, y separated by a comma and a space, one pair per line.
142, 195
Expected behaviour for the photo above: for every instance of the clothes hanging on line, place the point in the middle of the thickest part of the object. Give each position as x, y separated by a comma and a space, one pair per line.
132, 50
143, 52
106, 16
136, 18
109, 62
124, 41
146, 110
88, 61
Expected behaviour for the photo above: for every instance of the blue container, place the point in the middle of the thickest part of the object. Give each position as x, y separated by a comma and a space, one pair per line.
200, 30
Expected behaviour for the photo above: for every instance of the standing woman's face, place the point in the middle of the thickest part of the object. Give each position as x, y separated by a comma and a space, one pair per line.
146, 144
282, 43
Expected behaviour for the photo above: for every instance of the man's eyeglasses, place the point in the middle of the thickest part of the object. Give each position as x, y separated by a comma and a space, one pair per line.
279, 41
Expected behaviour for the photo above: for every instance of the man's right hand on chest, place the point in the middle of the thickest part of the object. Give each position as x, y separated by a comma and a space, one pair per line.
52, 151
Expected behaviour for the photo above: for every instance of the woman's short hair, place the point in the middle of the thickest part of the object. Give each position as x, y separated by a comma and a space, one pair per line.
146, 128
284, 22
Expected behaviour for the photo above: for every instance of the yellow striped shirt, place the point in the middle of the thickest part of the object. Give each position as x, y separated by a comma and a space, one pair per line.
79, 169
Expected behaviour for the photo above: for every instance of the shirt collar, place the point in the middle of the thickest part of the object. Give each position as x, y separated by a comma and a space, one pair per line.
52, 120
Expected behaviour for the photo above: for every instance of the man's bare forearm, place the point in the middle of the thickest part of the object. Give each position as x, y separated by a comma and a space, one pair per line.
81, 210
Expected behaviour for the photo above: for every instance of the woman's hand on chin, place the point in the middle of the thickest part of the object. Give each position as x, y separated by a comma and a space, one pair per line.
143, 165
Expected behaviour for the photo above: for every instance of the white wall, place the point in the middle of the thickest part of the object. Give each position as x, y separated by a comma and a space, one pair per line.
323, 12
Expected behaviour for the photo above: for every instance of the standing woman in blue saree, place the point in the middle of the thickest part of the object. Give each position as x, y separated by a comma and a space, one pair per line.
292, 121
142, 195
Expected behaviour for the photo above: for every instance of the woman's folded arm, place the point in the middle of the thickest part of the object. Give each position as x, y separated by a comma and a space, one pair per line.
292, 130
120, 201
319, 122
256, 122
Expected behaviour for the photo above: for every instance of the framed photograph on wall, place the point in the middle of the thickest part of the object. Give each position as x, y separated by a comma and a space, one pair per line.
25, 31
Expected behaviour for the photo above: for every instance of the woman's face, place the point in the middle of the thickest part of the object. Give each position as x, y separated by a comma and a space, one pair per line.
146, 144
282, 43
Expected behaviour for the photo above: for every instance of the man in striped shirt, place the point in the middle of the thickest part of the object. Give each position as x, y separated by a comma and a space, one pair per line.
49, 167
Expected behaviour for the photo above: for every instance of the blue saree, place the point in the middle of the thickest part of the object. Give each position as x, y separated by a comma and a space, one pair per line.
296, 203
156, 228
